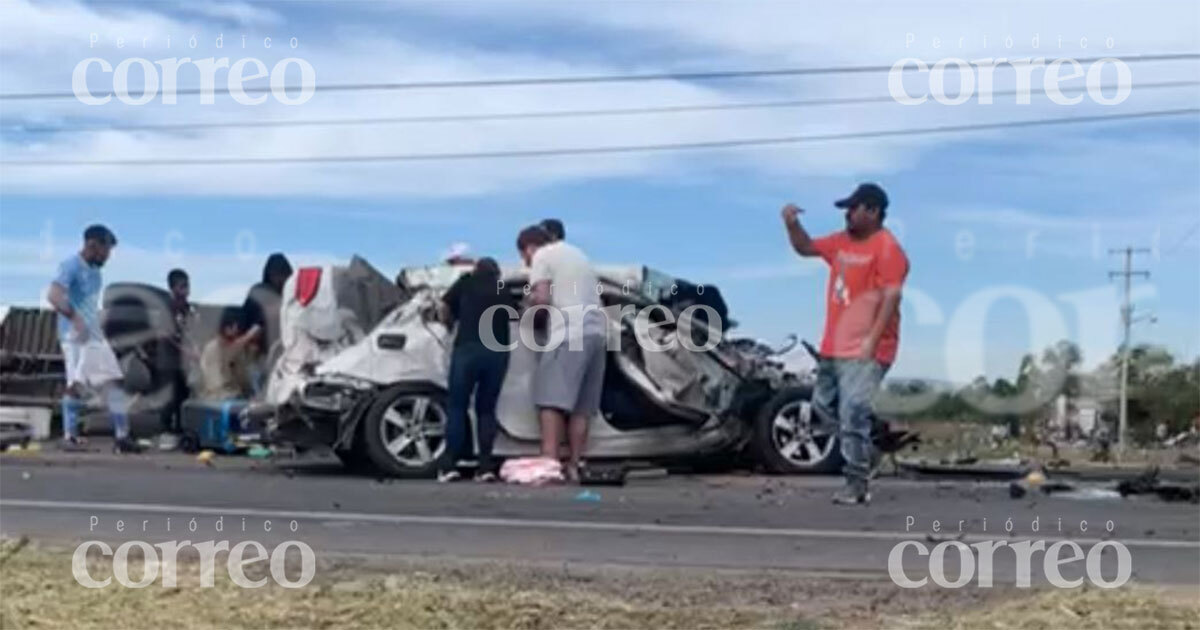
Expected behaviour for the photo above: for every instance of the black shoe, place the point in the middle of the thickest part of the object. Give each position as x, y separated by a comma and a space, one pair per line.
73, 445
126, 446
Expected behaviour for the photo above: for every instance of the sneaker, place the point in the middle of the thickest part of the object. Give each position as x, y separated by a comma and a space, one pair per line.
126, 446
72, 444
449, 476
168, 441
487, 477
850, 496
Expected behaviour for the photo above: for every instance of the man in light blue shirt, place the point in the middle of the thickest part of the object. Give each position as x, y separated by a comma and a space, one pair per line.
89, 362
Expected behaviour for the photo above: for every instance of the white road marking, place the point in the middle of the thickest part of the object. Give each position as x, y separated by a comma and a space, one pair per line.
515, 523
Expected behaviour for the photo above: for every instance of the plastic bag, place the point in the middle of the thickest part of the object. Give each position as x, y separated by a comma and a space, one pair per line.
532, 470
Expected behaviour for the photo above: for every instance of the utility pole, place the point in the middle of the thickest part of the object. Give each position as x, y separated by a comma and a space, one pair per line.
1126, 275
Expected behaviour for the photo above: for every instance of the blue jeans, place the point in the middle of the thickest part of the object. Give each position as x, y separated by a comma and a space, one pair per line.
473, 369
843, 393
115, 399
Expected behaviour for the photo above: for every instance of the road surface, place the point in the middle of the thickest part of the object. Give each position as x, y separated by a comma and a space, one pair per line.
720, 521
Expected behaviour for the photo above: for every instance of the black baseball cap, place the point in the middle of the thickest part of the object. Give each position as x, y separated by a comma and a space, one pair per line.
870, 194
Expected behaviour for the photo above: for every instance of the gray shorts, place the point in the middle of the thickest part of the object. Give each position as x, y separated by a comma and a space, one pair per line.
572, 380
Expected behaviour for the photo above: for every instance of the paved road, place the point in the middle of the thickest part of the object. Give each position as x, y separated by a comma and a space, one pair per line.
729, 521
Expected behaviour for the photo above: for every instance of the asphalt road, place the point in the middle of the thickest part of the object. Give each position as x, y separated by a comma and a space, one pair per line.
723, 521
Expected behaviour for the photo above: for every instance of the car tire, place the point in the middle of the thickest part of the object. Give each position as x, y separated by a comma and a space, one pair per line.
783, 440
354, 459
403, 431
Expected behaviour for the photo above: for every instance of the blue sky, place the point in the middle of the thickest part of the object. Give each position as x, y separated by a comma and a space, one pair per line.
1011, 218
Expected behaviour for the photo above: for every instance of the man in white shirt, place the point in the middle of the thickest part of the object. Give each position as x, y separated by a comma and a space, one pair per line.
570, 374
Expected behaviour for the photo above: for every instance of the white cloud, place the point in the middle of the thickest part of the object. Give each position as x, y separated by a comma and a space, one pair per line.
41, 43
1021, 218
239, 12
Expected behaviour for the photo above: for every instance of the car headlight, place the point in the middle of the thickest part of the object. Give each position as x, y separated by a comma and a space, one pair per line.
331, 396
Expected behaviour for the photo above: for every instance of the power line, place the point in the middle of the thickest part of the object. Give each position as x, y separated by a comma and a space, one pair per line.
637, 148
566, 113
1186, 235
606, 78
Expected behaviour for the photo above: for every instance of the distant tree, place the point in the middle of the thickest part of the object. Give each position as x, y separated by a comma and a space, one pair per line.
1159, 391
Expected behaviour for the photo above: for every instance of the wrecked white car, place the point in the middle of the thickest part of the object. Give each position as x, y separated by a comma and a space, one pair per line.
364, 364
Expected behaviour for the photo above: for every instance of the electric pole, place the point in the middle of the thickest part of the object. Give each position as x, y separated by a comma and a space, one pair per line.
1126, 275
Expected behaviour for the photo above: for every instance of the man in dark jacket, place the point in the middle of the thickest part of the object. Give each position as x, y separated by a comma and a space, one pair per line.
474, 366
260, 311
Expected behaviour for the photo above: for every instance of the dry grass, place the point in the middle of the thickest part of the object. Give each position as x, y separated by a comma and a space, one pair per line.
1133, 608
38, 591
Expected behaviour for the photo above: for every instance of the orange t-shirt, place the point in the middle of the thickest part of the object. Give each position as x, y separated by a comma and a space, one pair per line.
857, 272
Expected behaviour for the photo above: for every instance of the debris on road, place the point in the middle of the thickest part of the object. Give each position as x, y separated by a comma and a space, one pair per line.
206, 457
1092, 494
1149, 483
602, 475
588, 495
656, 472
976, 469
1036, 480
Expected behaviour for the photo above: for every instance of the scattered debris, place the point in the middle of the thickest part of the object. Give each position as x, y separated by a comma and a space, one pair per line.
588, 495
1190, 437
25, 475
1149, 483
1091, 494
602, 475
206, 457
259, 452
1010, 468
1035, 478
656, 472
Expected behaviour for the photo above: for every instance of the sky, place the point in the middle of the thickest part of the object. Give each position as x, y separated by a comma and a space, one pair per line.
1008, 231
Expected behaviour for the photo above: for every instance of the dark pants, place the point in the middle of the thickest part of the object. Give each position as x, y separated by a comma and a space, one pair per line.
473, 369
173, 410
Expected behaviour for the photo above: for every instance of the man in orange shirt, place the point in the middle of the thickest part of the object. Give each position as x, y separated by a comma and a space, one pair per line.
867, 268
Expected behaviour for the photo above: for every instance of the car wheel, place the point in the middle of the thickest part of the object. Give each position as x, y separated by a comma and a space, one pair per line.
788, 439
404, 431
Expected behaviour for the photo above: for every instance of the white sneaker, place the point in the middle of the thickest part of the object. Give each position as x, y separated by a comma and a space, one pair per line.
168, 441
448, 476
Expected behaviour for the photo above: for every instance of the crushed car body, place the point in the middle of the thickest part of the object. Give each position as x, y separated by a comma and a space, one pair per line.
363, 364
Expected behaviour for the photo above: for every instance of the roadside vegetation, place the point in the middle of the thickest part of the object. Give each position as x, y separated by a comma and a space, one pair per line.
38, 591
